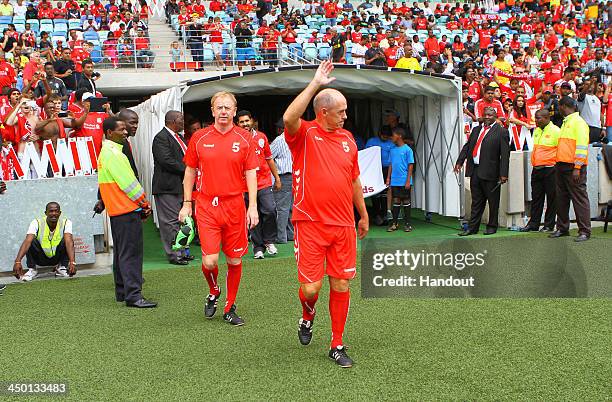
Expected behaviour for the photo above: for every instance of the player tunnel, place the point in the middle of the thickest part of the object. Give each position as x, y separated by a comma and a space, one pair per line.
430, 105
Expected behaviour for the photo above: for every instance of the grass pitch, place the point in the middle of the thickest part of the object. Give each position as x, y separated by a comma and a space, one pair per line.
405, 349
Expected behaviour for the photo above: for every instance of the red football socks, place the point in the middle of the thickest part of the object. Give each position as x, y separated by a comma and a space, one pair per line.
339, 303
234, 272
308, 309
211, 278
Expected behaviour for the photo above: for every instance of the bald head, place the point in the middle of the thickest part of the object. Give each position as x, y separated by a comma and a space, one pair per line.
174, 121
328, 99
130, 118
330, 109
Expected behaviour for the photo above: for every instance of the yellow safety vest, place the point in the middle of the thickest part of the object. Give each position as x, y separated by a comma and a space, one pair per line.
49, 244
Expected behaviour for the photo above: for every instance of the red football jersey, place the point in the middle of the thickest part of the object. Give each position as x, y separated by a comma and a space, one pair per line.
92, 128
263, 152
222, 160
325, 164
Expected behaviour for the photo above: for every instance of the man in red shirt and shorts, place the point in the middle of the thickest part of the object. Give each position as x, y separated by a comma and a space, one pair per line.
325, 186
225, 157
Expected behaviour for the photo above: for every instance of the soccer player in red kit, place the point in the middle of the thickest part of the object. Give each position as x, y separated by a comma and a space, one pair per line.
325, 186
225, 157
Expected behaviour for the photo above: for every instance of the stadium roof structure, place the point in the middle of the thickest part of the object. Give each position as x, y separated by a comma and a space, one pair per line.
429, 103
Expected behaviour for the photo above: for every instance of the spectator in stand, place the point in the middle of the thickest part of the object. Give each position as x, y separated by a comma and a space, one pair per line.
6, 9
56, 85
489, 101
331, 12
375, 56
65, 70
8, 76
109, 48
270, 45
90, 24
8, 41
338, 47
89, 77
45, 47
408, 61
391, 52
31, 13
359, 50
33, 66
144, 55
171, 8
244, 49
589, 107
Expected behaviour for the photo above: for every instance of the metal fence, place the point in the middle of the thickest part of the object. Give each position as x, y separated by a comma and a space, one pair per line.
169, 53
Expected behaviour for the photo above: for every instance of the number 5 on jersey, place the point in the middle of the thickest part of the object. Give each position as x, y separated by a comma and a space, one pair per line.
236, 147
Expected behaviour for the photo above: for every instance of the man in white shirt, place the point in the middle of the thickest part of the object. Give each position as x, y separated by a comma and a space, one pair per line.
48, 242
359, 50
19, 9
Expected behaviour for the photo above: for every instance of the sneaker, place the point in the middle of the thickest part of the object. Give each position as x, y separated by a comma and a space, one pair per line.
389, 215
338, 354
408, 228
259, 255
392, 227
305, 331
61, 272
271, 249
2, 287
233, 318
210, 307
28, 276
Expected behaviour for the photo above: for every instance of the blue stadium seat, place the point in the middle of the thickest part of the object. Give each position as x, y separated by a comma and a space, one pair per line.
19, 20
324, 50
60, 21
96, 54
208, 55
60, 27
34, 24
74, 23
103, 35
6, 19
91, 36
19, 27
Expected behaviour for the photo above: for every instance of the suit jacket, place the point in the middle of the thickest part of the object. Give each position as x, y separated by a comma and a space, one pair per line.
494, 153
90, 86
169, 168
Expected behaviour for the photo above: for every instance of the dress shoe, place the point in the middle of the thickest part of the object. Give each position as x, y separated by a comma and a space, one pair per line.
546, 229
490, 232
178, 262
467, 233
188, 258
582, 237
558, 233
528, 229
142, 303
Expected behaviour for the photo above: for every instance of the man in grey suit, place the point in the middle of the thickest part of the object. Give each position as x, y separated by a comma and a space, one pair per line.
168, 171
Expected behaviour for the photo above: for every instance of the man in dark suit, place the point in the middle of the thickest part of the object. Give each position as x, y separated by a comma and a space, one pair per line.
488, 155
168, 171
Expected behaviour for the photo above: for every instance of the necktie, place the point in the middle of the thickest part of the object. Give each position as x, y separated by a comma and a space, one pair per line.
181, 142
476, 150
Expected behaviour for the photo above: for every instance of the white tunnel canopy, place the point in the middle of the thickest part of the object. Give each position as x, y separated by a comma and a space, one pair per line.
430, 105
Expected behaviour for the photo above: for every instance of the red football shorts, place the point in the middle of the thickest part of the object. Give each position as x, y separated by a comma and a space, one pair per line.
222, 221
321, 249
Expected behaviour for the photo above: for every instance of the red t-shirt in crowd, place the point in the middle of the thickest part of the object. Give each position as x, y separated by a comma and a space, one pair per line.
554, 74
484, 37
7, 75
325, 164
481, 104
92, 128
222, 160
263, 152
331, 10
390, 54
475, 91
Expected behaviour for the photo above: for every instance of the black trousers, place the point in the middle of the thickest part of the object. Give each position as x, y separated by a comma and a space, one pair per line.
36, 255
379, 201
543, 186
568, 190
265, 231
127, 256
483, 193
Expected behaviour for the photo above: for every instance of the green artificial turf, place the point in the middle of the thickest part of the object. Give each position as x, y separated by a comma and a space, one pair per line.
405, 349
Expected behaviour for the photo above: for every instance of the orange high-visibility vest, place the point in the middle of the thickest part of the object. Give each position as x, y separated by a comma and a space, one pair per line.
545, 144
574, 141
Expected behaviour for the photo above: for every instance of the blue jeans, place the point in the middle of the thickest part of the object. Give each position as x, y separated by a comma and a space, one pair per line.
609, 134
